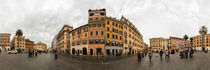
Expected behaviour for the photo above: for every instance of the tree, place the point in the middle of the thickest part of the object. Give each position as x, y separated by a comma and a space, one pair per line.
191, 42
185, 38
203, 31
18, 34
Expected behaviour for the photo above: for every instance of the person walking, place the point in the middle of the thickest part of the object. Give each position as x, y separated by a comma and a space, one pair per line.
161, 54
169, 52
56, 56
150, 54
166, 54
191, 52
181, 54
35, 53
186, 53
29, 53
139, 56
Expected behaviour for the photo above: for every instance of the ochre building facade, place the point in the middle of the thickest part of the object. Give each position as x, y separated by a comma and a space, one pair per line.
102, 36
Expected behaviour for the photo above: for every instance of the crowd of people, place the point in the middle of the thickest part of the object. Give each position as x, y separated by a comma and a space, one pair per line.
183, 53
32, 53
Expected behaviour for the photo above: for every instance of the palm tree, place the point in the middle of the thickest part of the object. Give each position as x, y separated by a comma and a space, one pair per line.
203, 31
191, 42
19, 33
185, 38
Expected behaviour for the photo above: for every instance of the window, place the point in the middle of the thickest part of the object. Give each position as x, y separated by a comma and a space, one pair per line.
121, 32
120, 37
107, 22
112, 29
91, 14
85, 41
107, 35
116, 37
126, 41
96, 32
90, 19
113, 36
86, 34
96, 41
102, 32
102, 25
102, 14
102, 41
78, 36
91, 33
116, 25
113, 43
107, 28
78, 42
73, 43
108, 42
125, 27
97, 25
91, 42
129, 35
96, 19
102, 18
113, 23
73, 34
85, 29
91, 26
116, 31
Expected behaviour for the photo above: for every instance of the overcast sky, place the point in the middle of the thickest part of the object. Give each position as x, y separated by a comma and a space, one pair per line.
41, 20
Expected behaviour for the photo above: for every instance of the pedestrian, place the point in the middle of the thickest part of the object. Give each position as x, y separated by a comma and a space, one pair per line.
29, 53
142, 53
139, 56
150, 54
32, 53
186, 53
191, 52
167, 52
56, 55
145, 53
35, 53
161, 54
181, 54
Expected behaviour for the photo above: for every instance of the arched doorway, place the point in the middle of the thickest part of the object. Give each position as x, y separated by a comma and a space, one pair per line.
112, 51
84, 51
73, 51
98, 51
133, 52
116, 52
91, 52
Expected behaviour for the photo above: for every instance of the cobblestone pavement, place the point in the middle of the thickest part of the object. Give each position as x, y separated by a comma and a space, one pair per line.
200, 61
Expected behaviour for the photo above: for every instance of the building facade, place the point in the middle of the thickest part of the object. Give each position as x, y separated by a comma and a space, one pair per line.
197, 42
79, 40
96, 24
132, 38
63, 39
103, 36
40, 46
18, 43
4, 42
178, 43
159, 43
29, 45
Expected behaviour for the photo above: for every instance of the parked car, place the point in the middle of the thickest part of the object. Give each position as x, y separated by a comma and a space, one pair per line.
12, 52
